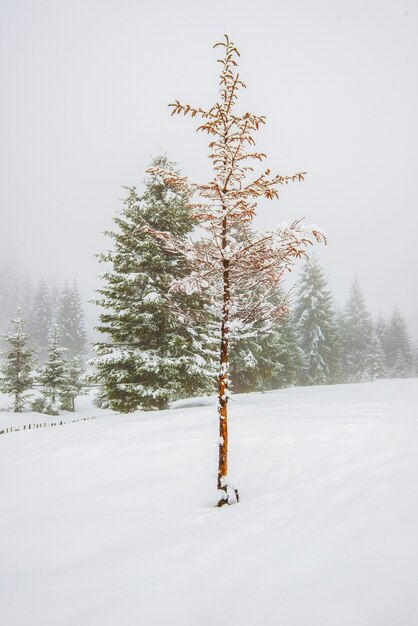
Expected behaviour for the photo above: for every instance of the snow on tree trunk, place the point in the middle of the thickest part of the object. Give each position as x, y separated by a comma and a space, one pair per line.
224, 388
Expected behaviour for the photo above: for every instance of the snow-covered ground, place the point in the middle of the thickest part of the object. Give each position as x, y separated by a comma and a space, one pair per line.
84, 408
111, 522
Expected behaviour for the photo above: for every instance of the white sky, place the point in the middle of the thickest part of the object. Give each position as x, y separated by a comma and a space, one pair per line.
85, 86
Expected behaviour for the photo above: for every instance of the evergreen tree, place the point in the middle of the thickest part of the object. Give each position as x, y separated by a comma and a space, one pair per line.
74, 385
375, 363
53, 378
289, 354
399, 350
244, 365
381, 329
17, 377
70, 320
356, 333
266, 361
152, 356
42, 316
316, 327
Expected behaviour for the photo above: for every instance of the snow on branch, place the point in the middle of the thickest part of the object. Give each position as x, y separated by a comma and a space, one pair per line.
230, 261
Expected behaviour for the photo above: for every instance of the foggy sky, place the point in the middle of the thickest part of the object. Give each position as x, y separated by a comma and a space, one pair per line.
84, 93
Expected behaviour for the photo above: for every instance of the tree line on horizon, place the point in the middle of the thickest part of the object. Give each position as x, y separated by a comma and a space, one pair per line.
41, 308
43, 357
152, 355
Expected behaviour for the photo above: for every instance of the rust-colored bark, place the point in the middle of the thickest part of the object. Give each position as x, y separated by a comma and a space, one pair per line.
223, 381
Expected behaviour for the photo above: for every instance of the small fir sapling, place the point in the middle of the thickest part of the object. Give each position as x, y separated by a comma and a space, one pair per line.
53, 377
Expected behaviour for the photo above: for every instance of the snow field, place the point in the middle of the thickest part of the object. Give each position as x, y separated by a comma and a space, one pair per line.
112, 521
84, 408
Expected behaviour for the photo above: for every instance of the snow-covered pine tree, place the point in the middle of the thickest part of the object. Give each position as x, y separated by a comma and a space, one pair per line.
267, 360
357, 330
375, 363
70, 320
53, 377
151, 357
41, 317
231, 263
377, 367
399, 349
316, 327
16, 372
74, 384
289, 354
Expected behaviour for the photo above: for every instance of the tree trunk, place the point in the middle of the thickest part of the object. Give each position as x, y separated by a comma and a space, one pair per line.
223, 380
223, 421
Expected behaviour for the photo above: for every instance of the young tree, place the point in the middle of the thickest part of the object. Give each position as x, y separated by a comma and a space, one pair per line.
238, 268
151, 357
70, 320
53, 377
316, 326
17, 377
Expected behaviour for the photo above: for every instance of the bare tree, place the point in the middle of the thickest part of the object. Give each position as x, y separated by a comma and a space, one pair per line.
238, 269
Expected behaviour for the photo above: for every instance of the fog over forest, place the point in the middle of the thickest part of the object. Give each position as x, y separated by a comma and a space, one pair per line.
85, 88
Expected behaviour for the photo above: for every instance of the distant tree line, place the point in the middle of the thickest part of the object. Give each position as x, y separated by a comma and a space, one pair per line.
42, 306
151, 355
45, 353
316, 344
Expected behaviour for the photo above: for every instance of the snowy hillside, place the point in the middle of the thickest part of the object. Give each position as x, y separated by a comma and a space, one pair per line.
111, 522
